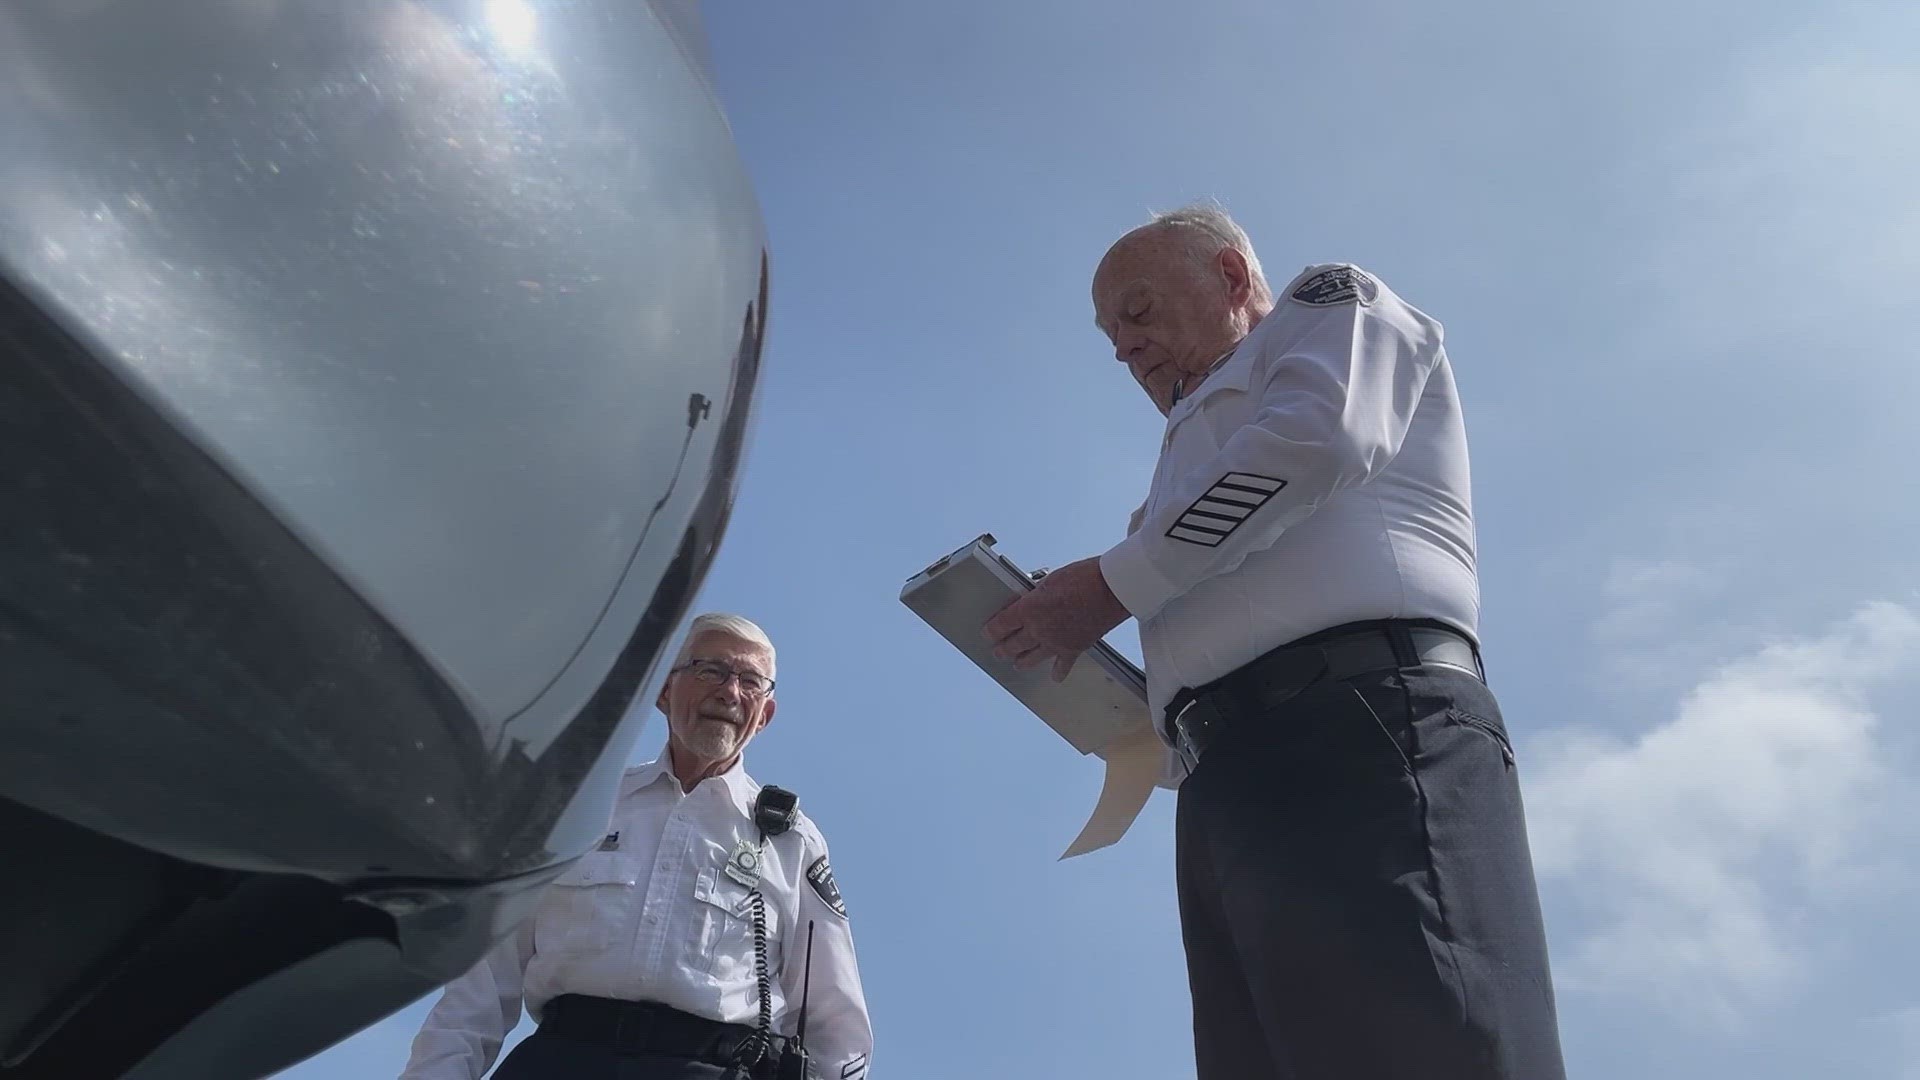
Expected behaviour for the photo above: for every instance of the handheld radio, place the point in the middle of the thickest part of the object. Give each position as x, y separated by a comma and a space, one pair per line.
775, 810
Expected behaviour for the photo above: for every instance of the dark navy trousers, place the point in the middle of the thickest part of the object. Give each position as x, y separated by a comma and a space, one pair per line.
1357, 897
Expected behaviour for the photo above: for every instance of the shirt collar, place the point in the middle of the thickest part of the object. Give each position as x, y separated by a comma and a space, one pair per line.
1230, 372
741, 788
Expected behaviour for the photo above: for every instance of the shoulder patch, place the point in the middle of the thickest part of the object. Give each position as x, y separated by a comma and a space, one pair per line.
1334, 286
820, 876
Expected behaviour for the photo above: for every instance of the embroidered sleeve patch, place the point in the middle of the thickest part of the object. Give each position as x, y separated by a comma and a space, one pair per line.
820, 876
855, 1069
1225, 506
1336, 285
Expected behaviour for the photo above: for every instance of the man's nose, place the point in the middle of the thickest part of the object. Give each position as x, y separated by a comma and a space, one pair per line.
1126, 347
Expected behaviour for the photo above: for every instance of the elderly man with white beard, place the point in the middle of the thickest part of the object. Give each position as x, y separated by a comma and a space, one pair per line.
680, 948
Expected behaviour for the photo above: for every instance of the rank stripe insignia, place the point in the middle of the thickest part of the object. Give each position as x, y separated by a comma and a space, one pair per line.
1224, 507
854, 1069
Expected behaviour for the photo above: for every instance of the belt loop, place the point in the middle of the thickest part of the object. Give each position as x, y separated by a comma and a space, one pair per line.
1405, 653
1177, 731
1170, 718
633, 1031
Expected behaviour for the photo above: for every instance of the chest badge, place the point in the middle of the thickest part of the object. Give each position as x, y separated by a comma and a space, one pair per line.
611, 842
743, 865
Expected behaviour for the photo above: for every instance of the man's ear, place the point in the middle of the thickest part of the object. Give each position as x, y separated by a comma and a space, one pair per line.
1233, 266
766, 717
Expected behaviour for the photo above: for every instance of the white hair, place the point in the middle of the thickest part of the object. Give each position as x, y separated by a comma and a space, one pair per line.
720, 622
1212, 230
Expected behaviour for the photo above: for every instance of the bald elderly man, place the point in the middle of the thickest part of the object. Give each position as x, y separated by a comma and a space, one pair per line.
1356, 895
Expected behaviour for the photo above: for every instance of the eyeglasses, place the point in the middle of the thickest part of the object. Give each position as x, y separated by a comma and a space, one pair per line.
715, 673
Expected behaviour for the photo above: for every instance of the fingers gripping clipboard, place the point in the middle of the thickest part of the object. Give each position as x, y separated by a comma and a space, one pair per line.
1100, 708
1103, 697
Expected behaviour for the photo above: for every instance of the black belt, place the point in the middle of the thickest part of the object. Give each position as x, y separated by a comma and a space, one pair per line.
1195, 717
635, 1027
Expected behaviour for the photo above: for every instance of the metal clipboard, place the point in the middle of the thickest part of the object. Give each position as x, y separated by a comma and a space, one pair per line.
1102, 699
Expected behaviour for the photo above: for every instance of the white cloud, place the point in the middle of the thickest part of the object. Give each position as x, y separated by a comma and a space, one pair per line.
1680, 590
1700, 849
1650, 594
1651, 630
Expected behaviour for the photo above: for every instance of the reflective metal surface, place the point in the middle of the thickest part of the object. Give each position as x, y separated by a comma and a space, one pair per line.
467, 296
374, 379
436, 280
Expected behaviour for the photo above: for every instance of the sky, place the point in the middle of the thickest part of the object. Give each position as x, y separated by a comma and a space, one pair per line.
1675, 249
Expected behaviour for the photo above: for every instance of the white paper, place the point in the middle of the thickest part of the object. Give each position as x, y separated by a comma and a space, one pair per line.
1134, 763
1101, 708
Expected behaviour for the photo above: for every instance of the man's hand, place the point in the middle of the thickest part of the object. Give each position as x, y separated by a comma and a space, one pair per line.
1065, 614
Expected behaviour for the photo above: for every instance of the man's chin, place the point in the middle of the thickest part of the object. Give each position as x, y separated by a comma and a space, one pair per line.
712, 740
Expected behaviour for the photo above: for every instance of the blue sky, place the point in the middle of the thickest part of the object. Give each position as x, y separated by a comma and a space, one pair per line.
1676, 250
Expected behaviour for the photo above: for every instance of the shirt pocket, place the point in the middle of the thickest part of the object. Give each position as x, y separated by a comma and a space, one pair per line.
586, 909
725, 911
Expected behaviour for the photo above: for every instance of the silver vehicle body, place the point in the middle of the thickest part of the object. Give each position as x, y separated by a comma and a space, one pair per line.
373, 382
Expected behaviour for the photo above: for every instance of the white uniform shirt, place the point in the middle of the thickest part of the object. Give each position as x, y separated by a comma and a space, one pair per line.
1318, 476
652, 916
